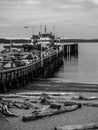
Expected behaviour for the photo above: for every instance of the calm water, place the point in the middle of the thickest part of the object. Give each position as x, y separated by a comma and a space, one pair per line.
83, 69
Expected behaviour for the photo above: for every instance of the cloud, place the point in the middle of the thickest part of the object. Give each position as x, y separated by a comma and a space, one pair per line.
31, 2
86, 3
95, 1
63, 13
78, 4
19, 2
34, 2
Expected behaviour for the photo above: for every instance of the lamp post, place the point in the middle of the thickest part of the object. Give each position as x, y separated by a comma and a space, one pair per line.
41, 45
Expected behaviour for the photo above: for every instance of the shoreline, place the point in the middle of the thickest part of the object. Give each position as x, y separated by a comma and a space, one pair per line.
47, 85
84, 115
51, 86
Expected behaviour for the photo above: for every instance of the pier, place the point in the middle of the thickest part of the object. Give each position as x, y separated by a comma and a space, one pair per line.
16, 78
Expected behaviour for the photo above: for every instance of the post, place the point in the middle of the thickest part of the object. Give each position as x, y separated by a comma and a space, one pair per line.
41, 46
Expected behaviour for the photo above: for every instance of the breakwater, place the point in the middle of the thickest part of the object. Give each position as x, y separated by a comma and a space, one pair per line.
19, 77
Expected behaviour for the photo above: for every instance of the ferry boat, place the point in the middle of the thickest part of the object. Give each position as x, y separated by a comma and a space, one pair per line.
41, 45
44, 39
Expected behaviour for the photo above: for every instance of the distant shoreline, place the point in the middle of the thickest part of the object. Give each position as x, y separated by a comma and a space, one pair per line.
79, 40
4, 40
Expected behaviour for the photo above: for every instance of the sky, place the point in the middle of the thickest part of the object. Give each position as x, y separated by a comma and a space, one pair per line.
71, 18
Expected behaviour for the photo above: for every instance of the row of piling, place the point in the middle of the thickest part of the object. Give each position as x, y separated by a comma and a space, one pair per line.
20, 77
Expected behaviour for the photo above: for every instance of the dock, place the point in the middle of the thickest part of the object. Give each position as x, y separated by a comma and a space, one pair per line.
45, 67
19, 77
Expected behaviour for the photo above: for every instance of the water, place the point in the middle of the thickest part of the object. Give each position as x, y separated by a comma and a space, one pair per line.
83, 69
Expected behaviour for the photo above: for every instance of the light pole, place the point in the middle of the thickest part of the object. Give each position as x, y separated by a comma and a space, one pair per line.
41, 45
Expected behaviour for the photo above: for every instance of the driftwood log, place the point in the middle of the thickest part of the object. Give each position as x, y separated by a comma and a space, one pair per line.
78, 127
19, 104
45, 93
70, 103
13, 96
80, 97
29, 104
91, 104
50, 112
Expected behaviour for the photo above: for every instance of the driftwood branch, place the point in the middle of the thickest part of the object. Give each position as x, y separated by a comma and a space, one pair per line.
13, 96
91, 104
80, 97
44, 93
78, 127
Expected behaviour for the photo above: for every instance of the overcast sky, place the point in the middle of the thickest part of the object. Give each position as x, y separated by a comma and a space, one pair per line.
72, 18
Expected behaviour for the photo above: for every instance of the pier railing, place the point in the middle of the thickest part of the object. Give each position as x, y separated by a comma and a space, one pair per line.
15, 73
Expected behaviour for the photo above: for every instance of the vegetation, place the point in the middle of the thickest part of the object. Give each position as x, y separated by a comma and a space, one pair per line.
15, 40
79, 40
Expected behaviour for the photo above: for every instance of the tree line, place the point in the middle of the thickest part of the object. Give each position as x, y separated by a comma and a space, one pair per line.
2, 40
14, 40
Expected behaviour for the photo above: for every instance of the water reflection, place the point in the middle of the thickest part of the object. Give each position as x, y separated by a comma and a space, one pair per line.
68, 70
71, 64
70, 57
